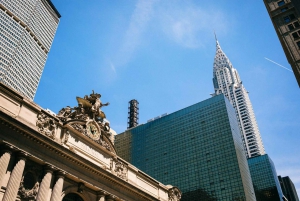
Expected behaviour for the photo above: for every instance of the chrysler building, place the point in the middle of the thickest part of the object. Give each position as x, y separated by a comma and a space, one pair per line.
227, 81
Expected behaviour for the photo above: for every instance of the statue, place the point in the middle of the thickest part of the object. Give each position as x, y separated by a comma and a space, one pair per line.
88, 107
88, 119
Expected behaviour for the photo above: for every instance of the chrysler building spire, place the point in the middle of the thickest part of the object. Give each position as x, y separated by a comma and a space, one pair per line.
226, 81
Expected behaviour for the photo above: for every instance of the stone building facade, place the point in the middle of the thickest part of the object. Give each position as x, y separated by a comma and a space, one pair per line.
285, 16
69, 156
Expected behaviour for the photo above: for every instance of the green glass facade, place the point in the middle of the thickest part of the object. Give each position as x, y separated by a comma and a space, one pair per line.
264, 178
198, 149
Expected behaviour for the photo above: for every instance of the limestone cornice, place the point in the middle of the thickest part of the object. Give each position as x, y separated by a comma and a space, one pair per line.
57, 150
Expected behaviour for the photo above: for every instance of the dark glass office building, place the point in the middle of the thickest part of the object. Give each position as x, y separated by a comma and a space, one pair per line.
264, 178
198, 149
288, 188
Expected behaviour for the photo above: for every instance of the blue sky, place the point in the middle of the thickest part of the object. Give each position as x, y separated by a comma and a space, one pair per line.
161, 53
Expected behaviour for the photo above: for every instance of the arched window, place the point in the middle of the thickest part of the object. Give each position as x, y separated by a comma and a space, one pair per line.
72, 197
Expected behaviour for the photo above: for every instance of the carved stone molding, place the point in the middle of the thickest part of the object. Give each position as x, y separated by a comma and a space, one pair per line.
29, 184
28, 194
174, 194
119, 168
67, 134
46, 125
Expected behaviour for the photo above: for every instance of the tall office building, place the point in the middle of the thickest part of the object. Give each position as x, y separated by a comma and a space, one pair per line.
226, 81
264, 178
198, 149
288, 188
285, 16
27, 30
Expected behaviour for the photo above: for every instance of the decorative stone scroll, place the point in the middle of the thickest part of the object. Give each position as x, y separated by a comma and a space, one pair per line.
119, 168
28, 194
46, 125
174, 194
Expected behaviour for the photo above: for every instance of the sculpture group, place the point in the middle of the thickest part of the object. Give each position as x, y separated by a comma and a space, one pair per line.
88, 107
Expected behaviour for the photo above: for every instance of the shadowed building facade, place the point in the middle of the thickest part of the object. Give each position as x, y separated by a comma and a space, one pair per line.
264, 178
285, 16
198, 148
288, 188
27, 29
68, 157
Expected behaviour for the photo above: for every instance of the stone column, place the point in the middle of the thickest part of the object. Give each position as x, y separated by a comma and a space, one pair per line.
15, 178
58, 187
4, 161
45, 184
101, 198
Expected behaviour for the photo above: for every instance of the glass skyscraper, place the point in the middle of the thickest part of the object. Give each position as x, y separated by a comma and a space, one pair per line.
227, 81
198, 149
27, 29
264, 178
288, 188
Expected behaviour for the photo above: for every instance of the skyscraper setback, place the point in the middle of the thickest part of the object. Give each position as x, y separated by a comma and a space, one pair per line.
226, 81
27, 30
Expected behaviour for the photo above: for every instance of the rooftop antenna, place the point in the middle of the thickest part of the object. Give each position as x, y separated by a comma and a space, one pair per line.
215, 36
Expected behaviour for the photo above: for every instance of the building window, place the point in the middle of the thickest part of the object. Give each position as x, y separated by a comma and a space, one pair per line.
284, 9
298, 44
293, 25
296, 35
289, 18
280, 3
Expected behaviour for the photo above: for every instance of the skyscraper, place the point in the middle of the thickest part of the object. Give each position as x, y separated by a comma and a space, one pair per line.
288, 188
226, 81
285, 16
198, 149
27, 30
264, 178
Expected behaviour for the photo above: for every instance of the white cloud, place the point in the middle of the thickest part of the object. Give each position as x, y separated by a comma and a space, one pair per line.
189, 25
112, 67
133, 35
182, 22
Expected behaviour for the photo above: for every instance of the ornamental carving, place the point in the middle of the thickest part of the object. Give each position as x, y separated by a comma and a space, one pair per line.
174, 194
67, 134
46, 125
121, 170
28, 194
88, 107
88, 119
